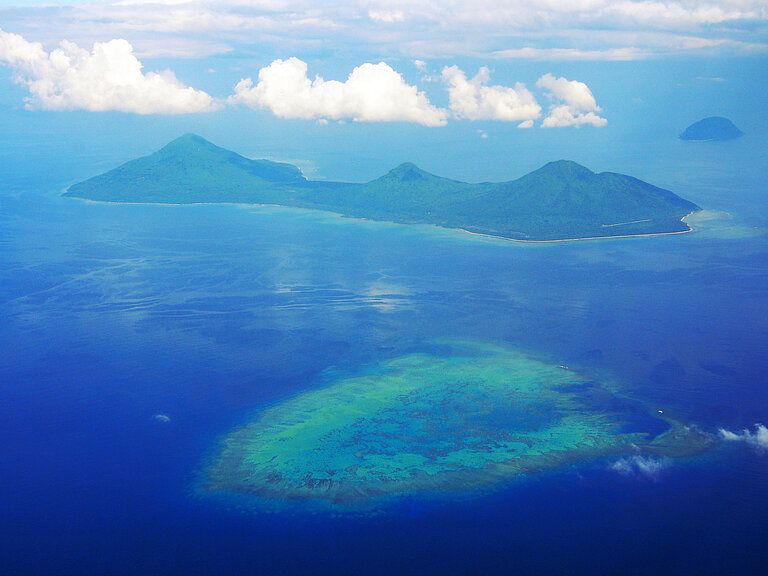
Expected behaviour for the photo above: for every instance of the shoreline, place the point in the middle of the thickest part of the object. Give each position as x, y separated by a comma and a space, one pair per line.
496, 237
586, 237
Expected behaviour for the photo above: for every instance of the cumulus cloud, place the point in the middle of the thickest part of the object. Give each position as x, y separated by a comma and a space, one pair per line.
573, 101
107, 78
574, 104
371, 93
110, 77
641, 465
758, 438
474, 100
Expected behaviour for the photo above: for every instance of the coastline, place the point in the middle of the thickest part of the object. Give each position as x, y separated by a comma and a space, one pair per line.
248, 205
587, 237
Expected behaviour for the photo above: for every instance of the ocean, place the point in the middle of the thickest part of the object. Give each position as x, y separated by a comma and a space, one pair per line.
135, 337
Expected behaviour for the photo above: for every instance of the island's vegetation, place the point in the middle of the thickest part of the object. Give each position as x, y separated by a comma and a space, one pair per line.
712, 128
561, 200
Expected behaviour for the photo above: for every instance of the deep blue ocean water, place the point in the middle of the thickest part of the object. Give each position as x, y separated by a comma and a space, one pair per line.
113, 315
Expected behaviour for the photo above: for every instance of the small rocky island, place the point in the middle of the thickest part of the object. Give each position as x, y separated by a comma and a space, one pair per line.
712, 128
560, 201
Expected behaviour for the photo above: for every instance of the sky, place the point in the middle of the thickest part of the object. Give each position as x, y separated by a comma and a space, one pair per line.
346, 88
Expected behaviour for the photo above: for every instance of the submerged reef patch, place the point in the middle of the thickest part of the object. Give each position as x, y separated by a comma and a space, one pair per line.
423, 422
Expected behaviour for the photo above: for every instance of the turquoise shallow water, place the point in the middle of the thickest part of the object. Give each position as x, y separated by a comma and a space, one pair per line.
134, 337
431, 426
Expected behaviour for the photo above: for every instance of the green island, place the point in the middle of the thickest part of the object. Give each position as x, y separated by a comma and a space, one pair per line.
560, 201
466, 416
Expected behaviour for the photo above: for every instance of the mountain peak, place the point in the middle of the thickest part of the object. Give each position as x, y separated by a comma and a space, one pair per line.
408, 172
562, 169
566, 167
189, 141
190, 137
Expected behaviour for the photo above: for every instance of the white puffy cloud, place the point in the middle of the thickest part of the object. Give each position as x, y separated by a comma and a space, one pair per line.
561, 116
110, 77
758, 438
574, 103
474, 100
642, 465
107, 78
371, 93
